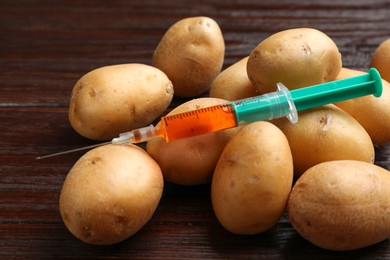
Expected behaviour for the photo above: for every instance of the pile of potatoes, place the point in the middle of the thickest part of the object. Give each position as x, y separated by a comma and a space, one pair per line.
321, 169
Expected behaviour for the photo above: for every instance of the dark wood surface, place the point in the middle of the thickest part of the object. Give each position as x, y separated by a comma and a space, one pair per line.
47, 45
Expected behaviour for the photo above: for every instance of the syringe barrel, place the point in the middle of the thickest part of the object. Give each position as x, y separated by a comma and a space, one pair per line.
265, 107
338, 90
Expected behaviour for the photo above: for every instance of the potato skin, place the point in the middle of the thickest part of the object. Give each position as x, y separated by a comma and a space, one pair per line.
114, 99
191, 53
190, 161
371, 112
342, 205
110, 194
233, 83
296, 57
253, 179
325, 133
380, 59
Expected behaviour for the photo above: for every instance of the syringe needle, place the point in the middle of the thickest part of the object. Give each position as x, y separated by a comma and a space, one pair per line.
73, 150
135, 136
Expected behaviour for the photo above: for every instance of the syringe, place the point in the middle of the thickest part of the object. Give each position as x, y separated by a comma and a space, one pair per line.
264, 107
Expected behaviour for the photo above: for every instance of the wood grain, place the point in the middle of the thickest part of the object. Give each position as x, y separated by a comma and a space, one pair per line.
46, 46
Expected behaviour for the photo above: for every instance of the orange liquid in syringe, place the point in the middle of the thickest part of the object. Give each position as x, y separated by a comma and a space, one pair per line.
197, 122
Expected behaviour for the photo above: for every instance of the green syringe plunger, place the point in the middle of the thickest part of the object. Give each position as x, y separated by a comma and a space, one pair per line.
286, 103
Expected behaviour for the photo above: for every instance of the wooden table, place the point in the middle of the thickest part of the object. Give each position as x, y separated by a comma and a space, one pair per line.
46, 46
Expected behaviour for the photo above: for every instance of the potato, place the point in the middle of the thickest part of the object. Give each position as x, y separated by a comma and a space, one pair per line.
118, 98
190, 161
110, 194
371, 112
342, 205
191, 53
253, 179
325, 134
233, 83
380, 59
296, 57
